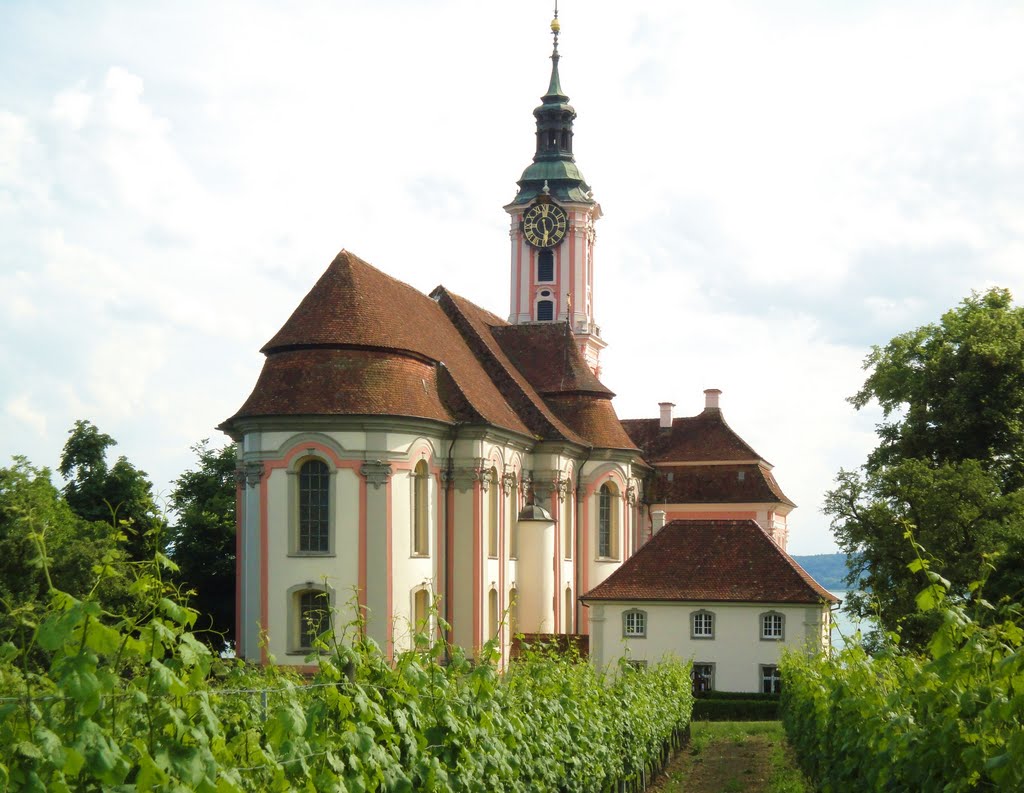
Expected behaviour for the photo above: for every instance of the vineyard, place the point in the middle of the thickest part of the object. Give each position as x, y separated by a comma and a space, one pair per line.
952, 721
91, 701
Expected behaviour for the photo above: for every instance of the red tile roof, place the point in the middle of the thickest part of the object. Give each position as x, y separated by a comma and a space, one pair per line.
711, 560
355, 306
361, 342
318, 382
715, 484
701, 438
548, 356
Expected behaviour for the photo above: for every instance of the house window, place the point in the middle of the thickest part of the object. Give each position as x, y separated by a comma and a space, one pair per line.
545, 310
634, 624
421, 510
492, 526
703, 676
773, 627
569, 610
771, 681
546, 266
607, 523
313, 616
314, 507
702, 625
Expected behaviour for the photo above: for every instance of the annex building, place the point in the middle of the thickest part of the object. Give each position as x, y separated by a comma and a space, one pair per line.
406, 456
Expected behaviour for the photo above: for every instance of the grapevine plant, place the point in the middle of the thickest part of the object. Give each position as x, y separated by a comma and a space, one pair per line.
951, 721
94, 700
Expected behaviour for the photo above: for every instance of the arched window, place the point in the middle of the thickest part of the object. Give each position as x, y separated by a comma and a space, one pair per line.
634, 624
702, 624
567, 521
513, 610
546, 266
421, 622
314, 615
545, 310
492, 614
607, 522
494, 513
773, 626
314, 507
420, 510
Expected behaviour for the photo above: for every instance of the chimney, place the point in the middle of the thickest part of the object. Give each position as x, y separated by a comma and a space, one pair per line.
666, 414
657, 521
711, 398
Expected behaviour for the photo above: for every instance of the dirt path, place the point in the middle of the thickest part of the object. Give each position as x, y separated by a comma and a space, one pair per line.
731, 756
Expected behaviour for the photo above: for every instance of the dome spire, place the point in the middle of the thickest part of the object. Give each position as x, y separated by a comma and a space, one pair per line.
554, 87
553, 164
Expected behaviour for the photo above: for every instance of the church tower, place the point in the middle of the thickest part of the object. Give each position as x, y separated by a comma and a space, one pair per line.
552, 228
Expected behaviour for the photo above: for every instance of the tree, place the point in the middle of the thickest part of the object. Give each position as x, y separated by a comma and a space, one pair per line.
202, 539
949, 465
31, 505
954, 391
121, 495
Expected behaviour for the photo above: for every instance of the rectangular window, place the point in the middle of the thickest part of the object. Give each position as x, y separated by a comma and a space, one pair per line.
703, 676
634, 624
703, 625
772, 627
771, 682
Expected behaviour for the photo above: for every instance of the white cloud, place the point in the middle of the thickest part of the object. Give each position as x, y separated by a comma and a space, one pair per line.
21, 409
783, 184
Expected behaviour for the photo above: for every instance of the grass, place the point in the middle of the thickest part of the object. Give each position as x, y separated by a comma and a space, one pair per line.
745, 757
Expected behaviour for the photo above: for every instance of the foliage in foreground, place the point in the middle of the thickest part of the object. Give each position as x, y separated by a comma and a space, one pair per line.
952, 721
135, 701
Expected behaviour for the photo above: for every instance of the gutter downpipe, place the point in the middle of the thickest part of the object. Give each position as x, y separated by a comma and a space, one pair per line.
447, 597
577, 561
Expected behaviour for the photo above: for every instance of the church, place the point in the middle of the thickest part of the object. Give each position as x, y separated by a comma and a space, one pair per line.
421, 465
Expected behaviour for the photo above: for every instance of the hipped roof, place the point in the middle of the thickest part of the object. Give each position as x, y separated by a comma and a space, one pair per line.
363, 343
711, 561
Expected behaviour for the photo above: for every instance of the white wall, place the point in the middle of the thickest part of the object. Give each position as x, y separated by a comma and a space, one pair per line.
737, 650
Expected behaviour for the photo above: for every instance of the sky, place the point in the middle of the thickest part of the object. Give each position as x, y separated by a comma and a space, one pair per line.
784, 185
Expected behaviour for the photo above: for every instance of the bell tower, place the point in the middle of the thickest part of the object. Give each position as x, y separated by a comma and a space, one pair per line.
552, 228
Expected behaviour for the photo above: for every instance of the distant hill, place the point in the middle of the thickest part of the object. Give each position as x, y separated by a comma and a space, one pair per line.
828, 569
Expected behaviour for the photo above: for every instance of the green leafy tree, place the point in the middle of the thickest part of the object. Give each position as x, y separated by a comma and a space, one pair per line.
949, 464
31, 505
202, 539
954, 391
120, 495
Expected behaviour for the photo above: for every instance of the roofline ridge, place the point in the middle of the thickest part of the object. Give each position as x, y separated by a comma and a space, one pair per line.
488, 360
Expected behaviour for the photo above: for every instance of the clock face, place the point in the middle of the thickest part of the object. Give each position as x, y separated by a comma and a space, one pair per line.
544, 225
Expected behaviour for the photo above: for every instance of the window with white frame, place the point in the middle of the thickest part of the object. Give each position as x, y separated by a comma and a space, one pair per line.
702, 624
703, 676
634, 624
773, 626
771, 681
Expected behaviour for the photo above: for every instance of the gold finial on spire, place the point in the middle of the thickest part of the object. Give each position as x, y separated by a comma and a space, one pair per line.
555, 27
